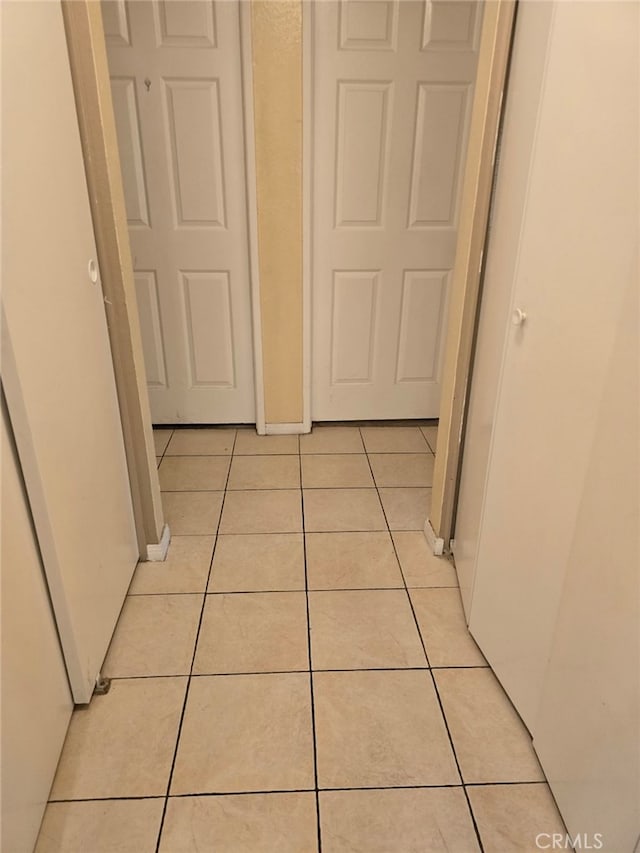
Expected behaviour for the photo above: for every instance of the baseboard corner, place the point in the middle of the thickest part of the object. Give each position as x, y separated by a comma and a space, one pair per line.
287, 429
436, 543
157, 553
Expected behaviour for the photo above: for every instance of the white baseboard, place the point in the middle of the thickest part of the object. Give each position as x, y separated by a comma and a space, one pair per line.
158, 553
286, 429
436, 544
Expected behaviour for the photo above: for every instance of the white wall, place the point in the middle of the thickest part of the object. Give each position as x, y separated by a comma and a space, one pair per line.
547, 536
587, 734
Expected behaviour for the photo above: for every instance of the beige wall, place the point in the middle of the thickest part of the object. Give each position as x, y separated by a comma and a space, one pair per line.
277, 83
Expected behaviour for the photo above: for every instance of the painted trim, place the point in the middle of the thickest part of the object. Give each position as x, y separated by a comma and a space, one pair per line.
287, 429
493, 61
92, 89
158, 553
246, 62
435, 543
307, 207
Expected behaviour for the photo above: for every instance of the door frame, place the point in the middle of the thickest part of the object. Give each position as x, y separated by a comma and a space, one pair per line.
85, 35
493, 55
90, 76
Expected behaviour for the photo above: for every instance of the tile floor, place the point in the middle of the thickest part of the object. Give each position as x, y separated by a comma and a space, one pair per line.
297, 676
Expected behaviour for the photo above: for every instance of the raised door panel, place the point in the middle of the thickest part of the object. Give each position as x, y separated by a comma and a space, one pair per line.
362, 139
423, 297
186, 23
440, 122
115, 18
353, 326
368, 24
151, 327
209, 331
125, 107
450, 26
195, 143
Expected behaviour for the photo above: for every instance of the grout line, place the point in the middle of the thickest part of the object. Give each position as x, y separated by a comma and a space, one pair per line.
313, 707
455, 755
193, 657
446, 724
299, 791
295, 671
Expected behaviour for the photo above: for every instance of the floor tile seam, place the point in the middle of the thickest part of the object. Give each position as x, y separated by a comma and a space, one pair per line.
310, 661
442, 713
193, 657
314, 669
406, 589
321, 790
457, 761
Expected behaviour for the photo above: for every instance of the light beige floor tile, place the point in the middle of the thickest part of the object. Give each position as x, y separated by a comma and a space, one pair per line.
491, 741
265, 472
258, 562
431, 434
509, 817
193, 473
380, 729
121, 745
253, 823
253, 632
161, 438
155, 635
192, 513
332, 440
392, 439
406, 509
351, 561
278, 511
336, 471
246, 733
444, 629
249, 443
102, 826
363, 629
420, 567
158, 461
185, 569
201, 442
402, 469
328, 510
422, 820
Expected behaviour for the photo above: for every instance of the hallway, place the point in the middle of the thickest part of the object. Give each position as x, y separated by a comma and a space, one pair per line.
296, 555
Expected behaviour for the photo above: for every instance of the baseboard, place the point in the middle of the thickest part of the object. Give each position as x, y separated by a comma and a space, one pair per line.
286, 429
158, 553
436, 544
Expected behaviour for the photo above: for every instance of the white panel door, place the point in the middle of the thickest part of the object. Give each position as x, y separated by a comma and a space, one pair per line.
392, 87
177, 95
575, 261
36, 700
57, 370
507, 215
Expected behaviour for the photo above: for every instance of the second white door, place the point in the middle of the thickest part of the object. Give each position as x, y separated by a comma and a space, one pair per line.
392, 86
176, 81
